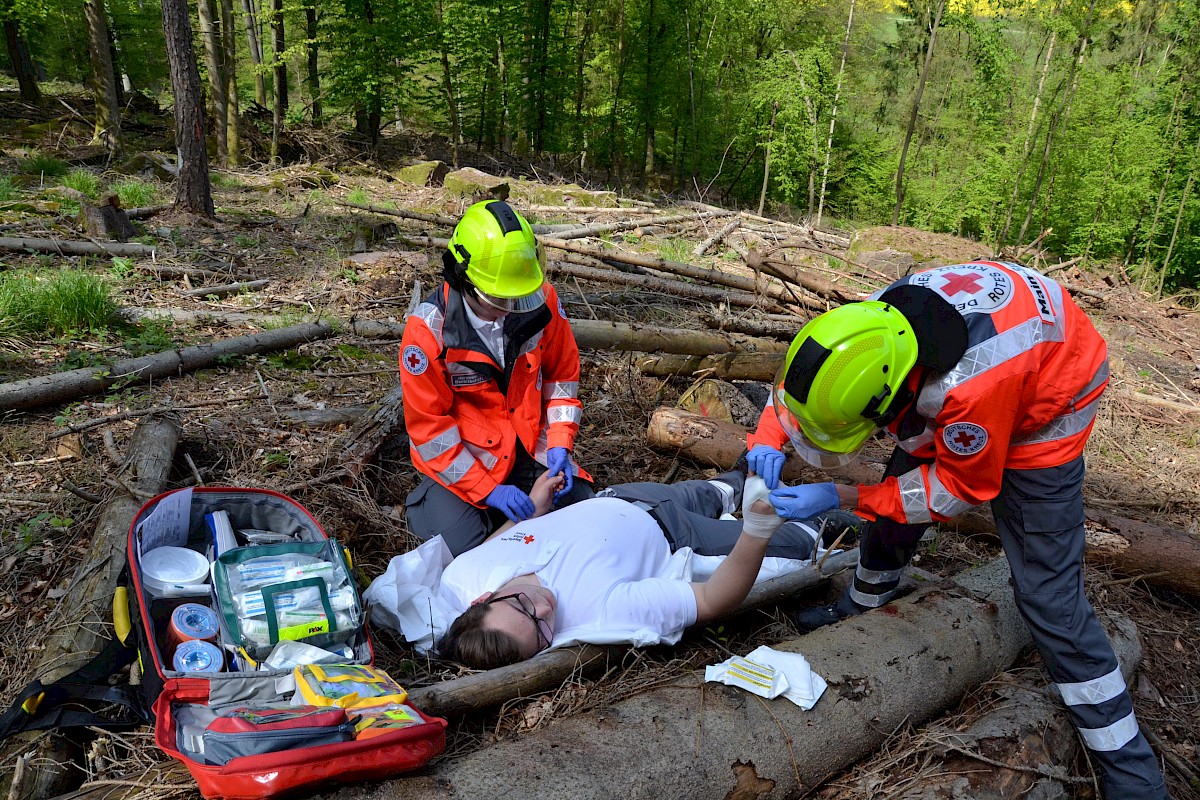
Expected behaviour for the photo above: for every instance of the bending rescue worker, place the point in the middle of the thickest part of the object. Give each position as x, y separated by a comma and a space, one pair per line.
987, 376
489, 370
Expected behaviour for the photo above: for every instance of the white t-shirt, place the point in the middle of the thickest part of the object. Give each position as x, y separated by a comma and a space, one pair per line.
492, 333
604, 560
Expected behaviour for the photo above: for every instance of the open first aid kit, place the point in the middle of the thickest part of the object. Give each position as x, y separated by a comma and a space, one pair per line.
256, 662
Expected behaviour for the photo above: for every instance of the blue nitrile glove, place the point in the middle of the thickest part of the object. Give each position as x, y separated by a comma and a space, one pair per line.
766, 463
803, 502
558, 459
515, 504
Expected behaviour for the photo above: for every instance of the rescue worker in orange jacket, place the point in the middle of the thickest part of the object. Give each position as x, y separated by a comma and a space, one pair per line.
489, 370
987, 376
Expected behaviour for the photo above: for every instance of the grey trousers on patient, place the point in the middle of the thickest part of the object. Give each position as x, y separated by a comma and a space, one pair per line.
688, 514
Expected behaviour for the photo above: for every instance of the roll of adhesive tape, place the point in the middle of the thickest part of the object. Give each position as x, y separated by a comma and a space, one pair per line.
197, 656
193, 621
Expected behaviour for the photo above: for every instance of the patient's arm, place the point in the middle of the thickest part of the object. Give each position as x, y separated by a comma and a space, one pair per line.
542, 495
731, 582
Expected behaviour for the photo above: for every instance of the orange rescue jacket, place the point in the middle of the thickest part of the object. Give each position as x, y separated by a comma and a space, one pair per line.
465, 414
1023, 396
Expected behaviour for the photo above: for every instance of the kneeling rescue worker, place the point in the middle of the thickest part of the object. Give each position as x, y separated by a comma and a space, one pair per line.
489, 370
987, 376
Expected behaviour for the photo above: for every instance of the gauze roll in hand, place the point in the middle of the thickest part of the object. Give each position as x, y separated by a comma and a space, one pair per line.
760, 526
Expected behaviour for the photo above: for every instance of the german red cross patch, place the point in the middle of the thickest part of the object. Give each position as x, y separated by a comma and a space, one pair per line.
964, 438
414, 360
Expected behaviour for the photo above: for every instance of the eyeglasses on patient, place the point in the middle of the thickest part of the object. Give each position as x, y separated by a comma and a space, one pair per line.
526, 607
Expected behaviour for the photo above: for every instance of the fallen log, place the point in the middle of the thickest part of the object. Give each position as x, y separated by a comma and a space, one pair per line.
226, 289
62, 386
628, 225
663, 285
689, 739
1163, 557
83, 619
730, 366
545, 672
758, 260
324, 417
436, 219
68, 247
1019, 743
784, 330
713, 240
357, 446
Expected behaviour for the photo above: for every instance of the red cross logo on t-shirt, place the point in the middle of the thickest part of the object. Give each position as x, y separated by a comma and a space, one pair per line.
528, 538
958, 282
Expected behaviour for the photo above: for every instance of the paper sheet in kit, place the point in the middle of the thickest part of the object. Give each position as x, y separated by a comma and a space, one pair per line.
167, 523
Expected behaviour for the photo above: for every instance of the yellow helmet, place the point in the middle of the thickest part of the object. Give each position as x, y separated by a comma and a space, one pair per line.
494, 248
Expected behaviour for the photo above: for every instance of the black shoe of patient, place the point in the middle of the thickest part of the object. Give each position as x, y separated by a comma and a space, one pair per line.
742, 463
836, 523
807, 620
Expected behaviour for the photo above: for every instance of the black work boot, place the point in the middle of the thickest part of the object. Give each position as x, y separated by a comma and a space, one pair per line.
807, 620
833, 523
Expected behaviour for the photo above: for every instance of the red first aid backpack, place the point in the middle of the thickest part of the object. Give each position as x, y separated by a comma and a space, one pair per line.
242, 732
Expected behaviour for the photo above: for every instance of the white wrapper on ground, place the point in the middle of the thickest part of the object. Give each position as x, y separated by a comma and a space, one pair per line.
771, 673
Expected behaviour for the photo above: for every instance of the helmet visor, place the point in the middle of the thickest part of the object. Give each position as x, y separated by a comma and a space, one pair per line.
840, 446
513, 305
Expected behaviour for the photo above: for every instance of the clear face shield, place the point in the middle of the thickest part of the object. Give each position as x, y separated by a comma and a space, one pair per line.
854, 435
526, 254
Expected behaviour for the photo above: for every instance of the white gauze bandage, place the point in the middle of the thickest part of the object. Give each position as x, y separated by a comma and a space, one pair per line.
760, 526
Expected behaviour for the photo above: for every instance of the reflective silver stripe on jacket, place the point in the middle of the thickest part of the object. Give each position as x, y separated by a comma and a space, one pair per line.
561, 390
484, 457
984, 356
1111, 737
461, 464
556, 414
531, 343
913, 499
941, 499
433, 317
1075, 420
1095, 691
446, 440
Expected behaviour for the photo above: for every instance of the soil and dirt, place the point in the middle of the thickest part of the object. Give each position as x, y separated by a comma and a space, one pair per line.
1144, 458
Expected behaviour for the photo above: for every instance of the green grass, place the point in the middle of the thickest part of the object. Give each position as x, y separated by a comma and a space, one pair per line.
675, 250
82, 181
223, 180
135, 193
7, 190
360, 196
53, 302
43, 166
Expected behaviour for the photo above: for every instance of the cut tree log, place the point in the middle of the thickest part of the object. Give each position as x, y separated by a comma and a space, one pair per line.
690, 739
62, 386
436, 219
784, 271
1160, 556
69, 247
756, 325
628, 225
713, 240
106, 219
719, 400
1021, 743
730, 366
226, 289
663, 285
357, 446
84, 617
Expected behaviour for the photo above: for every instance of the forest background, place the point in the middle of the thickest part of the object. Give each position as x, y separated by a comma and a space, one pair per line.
1072, 122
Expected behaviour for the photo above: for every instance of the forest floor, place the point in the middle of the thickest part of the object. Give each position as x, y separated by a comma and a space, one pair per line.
1143, 459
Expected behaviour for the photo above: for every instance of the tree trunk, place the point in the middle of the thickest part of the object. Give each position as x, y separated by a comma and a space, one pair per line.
762, 195
698, 740
729, 366
233, 139
18, 54
1029, 139
655, 284
256, 54
84, 617
1160, 556
193, 192
67, 247
62, 386
211, 34
448, 83
314, 74
104, 86
837, 96
916, 109
279, 77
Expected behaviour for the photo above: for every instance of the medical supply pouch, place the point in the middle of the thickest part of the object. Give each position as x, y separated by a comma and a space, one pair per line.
239, 729
347, 686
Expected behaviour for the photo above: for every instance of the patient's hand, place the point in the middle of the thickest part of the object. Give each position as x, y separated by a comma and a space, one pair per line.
542, 493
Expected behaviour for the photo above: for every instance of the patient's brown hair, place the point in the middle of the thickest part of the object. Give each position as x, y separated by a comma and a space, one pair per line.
469, 643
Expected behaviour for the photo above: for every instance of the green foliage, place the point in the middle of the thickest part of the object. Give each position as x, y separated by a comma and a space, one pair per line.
225, 180
358, 195
150, 336
57, 302
135, 193
122, 267
82, 181
43, 166
7, 190
35, 529
292, 360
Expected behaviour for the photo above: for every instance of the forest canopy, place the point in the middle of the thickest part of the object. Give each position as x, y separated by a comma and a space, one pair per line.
1073, 121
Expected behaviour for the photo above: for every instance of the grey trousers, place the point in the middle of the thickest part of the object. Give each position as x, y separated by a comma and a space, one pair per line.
433, 510
1039, 516
688, 514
